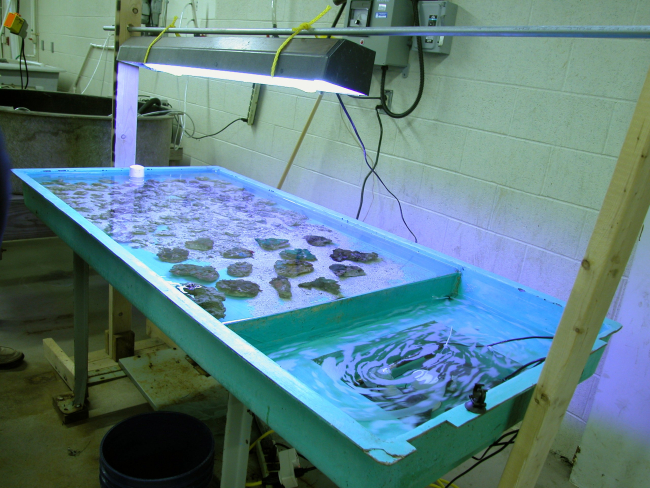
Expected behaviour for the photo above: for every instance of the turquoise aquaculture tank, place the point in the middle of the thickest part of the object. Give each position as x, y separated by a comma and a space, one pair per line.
358, 347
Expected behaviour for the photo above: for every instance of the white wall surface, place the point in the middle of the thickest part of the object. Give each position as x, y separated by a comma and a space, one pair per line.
504, 164
615, 450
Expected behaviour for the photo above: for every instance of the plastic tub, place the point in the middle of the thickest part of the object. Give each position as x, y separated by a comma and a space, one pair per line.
65, 130
157, 450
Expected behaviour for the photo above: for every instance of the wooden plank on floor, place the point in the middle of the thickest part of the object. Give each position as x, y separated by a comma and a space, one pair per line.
168, 379
60, 361
101, 368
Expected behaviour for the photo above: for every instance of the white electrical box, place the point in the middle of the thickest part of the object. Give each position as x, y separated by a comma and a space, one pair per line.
436, 14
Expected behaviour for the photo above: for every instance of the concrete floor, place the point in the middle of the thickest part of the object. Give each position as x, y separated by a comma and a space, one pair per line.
36, 450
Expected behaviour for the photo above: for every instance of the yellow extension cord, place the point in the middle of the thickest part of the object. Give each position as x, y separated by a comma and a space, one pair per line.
437, 484
268, 432
173, 24
296, 31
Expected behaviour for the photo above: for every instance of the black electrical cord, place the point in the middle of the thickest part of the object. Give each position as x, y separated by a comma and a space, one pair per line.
342, 4
519, 339
216, 133
26, 69
374, 166
498, 443
372, 170
496, 343
384, 69
485, 458
20, 66
519, 370
364, 98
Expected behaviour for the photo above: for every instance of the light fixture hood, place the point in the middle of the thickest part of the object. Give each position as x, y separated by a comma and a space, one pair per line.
321, 64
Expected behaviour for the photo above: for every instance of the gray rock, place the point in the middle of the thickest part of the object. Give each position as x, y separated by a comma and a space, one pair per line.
291, 269
240, 269
208, 298
272, 243
201, 244
203, 273
175, 255
339, 255
297, 255
318, 241
238, 288
343, 271
282, 285
237, 253
324, 284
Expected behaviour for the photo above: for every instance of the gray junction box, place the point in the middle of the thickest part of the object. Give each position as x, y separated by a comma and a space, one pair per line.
391, 50
434, 13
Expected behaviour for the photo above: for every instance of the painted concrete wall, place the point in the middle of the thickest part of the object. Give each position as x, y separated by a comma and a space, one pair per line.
504, 164
615, 450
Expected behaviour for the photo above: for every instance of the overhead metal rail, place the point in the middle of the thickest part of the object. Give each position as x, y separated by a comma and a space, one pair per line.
593, 31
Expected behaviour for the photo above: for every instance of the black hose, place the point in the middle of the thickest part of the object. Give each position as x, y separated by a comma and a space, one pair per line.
155, 102
384, 69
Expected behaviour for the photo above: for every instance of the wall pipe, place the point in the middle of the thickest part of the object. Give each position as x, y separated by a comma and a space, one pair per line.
593, 31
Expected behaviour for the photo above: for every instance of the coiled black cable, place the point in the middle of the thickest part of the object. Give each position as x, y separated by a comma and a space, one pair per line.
384, 69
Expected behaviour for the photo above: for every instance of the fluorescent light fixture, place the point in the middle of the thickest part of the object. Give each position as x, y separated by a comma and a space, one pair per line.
330, 65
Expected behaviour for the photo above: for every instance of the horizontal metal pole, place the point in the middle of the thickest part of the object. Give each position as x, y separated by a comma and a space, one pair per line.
593, 31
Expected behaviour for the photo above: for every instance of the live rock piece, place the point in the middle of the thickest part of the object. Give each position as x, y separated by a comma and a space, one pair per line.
318, 241
291, 269
330, 286
297, 255
359, 257
201, 244
343, 271
203, 273
238, 288
237, 253
240, 269
208, 299
175, 255
282, 285
272, 243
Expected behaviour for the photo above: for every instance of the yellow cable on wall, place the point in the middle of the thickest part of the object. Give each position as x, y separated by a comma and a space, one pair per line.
173, 24
296, 31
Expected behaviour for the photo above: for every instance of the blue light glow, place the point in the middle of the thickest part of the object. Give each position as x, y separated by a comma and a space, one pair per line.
304, 85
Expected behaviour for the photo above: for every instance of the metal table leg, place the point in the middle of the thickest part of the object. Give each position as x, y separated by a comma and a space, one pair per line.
72, 406
81, 290
236, 444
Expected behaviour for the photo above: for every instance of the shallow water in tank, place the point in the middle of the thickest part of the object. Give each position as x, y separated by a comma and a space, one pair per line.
396, 372
390, 372
167, 210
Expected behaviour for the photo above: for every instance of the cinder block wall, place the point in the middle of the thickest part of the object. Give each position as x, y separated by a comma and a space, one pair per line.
504, 164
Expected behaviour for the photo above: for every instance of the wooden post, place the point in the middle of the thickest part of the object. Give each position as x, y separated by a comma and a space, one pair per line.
617, 228
125, 87
299, 143
126, 115
119, 337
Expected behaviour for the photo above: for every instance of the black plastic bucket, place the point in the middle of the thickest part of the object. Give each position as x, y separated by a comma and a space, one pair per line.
157, 450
